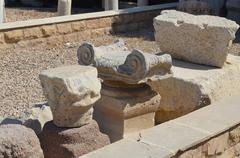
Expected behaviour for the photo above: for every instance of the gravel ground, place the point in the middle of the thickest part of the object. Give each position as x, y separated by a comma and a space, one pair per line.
20, 14
20, 67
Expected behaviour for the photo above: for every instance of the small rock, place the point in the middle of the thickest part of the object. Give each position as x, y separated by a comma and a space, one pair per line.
35, 119
17, 141
38, 117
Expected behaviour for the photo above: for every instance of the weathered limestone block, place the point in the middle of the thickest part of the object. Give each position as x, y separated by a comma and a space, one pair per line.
198, 39
116, 62
71, 142
19, 141
124, 109
194, 86
71, 92
128, 104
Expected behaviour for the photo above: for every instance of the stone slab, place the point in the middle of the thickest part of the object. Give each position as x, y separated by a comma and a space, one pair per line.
128, 148
199, 39
71, 142
200, 86
171, 136
210, 119
172, 139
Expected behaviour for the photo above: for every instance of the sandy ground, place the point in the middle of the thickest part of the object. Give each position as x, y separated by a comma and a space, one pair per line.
20, 67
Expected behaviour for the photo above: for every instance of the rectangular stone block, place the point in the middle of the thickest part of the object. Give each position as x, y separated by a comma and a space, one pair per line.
198, 39
49, 30
194, 86
210, 118
122, 112
64, 28
129, 149
32, 33
171, 136
13, 36
78, 26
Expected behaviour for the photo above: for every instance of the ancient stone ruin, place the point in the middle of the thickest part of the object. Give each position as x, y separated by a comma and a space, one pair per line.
182, 100
198, 44
71, 92
199, 39
127, 103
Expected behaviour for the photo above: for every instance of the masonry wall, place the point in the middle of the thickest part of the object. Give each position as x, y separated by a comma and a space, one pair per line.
78, 30
224, 145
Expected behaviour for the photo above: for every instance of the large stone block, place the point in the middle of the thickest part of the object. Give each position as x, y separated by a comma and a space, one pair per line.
194, 86
125, 110
71, 92
71, 142
198, 39
19, 141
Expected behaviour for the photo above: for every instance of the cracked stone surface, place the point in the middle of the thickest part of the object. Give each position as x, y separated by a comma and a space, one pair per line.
71, 92
199, 39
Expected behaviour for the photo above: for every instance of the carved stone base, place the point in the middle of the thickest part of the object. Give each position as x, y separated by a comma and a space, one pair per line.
124, 109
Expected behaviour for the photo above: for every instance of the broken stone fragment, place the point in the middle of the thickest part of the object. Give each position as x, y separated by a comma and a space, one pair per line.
116, 62
199, 39
71, 92
19, 141
38, 116
34, 118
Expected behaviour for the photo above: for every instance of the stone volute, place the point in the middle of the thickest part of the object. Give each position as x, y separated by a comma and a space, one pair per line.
127, 103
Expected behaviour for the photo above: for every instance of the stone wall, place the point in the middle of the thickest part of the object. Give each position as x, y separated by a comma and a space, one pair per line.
59, 30
224, 145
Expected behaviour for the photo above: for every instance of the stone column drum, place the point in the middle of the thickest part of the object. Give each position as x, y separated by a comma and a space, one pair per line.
71, 92
127, 104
